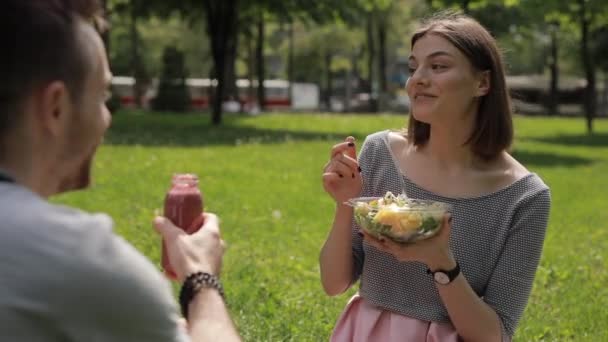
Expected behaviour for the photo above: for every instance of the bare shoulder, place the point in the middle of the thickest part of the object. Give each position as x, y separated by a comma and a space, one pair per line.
500, 173
398, 141
514, 167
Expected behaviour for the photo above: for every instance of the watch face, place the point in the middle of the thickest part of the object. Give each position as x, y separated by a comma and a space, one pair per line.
442, 278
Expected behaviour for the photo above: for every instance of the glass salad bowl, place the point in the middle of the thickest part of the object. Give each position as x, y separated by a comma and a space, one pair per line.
399, 218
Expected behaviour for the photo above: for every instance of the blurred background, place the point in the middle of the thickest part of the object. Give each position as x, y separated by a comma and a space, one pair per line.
186, 99
342, 55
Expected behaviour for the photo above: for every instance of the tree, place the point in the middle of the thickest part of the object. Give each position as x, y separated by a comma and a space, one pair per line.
286, 12
259, 53
172, 92
553, 102
135, 10
254, 15
586, 16
600, 51
105, 35
381, 18
371, 54
222, 26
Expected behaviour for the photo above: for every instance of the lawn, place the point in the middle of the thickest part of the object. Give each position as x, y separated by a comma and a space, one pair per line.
262, 176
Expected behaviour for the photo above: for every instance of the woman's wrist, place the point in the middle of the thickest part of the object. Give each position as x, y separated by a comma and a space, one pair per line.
444, 260
340, 205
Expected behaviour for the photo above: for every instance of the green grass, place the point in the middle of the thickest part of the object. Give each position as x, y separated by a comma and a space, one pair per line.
262, 176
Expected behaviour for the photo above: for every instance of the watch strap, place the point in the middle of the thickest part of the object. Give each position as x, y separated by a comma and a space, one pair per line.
451, 274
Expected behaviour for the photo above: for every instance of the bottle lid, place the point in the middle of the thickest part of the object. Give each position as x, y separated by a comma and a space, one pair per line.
184, 179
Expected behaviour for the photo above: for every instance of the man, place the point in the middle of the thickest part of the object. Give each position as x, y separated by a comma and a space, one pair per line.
64, 275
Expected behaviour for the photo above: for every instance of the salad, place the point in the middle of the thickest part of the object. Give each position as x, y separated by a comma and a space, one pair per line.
399, 218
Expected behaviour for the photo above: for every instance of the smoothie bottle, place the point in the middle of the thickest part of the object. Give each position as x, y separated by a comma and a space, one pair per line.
184, 207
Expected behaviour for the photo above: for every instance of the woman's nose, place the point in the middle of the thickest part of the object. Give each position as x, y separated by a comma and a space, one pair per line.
419, 77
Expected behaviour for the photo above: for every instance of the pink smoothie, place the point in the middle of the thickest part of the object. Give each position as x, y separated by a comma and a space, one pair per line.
184, 207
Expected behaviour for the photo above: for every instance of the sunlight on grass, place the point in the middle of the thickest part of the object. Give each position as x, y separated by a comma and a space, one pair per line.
262, 176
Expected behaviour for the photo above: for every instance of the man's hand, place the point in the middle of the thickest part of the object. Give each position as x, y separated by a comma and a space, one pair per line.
201, 251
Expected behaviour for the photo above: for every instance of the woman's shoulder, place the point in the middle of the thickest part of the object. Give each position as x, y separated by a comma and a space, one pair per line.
520, 173
385, 143
523, 183
377, 137
389, 138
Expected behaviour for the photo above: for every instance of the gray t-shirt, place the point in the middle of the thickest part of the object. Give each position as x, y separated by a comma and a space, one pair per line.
65, 276
496, 238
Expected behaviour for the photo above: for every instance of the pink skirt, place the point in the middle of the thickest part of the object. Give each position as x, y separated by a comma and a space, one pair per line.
363, 322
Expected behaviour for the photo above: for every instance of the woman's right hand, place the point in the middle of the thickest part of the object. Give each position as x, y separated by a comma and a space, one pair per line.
341, 175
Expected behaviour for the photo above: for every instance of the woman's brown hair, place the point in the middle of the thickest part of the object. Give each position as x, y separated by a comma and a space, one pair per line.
493, 127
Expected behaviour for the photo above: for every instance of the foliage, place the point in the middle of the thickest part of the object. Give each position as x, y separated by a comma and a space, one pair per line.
156, 32
275, 216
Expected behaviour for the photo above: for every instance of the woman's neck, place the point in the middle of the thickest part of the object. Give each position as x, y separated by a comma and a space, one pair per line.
448, 145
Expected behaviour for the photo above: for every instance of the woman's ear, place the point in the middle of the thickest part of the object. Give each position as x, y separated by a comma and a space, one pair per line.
483, 86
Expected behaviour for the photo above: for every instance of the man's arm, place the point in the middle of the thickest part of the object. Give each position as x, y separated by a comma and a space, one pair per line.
208, 318
202, 251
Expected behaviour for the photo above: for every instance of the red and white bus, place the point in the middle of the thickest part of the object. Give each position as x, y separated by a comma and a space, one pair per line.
305, 96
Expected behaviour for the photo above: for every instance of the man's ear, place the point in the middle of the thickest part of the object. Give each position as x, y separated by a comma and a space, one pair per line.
483, 86
53, 106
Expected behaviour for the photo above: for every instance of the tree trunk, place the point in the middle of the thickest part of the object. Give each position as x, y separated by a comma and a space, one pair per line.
371, 51
261, 63
231, 87
222, 25
136, 67
250, 70
553, 105
605, 94
348, 91
588, 65
290, 57
329, 84
382, 82
382, 56
105, 35
357, 66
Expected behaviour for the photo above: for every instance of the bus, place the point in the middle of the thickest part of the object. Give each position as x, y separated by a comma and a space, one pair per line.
305, 96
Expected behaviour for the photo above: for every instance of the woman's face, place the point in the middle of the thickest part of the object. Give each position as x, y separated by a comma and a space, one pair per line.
443, 85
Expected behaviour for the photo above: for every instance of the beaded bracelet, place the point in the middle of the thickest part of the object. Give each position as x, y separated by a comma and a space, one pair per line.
194, 283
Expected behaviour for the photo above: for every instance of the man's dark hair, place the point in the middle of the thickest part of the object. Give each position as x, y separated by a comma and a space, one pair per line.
39, 44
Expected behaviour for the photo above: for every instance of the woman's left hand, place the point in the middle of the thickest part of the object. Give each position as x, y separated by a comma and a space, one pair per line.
434, 252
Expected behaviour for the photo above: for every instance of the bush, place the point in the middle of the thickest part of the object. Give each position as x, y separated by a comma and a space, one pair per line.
172, 91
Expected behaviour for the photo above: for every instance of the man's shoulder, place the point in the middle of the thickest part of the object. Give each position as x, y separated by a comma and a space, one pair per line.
73, 265
59, 244
70, 265
31, 223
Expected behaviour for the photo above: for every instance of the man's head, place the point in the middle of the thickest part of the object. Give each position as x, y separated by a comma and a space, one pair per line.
54, 80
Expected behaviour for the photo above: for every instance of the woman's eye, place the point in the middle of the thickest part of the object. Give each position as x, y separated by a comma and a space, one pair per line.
411, 69
437, 66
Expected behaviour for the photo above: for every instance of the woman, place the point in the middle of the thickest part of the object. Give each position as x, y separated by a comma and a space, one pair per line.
472, 281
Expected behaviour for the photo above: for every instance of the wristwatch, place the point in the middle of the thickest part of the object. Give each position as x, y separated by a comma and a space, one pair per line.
444, 277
